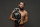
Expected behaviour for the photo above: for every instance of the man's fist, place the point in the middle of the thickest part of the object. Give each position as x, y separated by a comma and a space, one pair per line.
21, 23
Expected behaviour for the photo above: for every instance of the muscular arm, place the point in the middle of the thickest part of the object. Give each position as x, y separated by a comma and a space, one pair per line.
26, 18
11, 16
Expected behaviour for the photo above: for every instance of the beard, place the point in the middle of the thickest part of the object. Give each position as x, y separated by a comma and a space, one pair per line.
21, 8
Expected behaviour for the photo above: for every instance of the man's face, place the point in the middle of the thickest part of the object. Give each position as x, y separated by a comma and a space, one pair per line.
21, 5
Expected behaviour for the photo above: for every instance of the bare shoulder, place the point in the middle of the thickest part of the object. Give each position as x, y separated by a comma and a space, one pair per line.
25, 11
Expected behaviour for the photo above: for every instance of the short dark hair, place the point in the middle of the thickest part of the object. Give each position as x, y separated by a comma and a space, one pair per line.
21, 1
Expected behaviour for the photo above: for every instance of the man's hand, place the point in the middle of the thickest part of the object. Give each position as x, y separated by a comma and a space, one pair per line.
21, 22
15, 19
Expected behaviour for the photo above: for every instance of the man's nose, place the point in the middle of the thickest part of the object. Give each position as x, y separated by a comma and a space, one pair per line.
20, 5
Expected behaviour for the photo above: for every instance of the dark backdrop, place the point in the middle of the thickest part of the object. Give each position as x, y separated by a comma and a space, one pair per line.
32, 6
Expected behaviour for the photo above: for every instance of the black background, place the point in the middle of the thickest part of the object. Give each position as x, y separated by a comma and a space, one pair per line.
6, 7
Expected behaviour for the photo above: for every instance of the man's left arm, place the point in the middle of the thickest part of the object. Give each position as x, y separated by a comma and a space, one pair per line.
26, 18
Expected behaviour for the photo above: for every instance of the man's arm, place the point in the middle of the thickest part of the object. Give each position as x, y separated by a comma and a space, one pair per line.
26, 18
13, 19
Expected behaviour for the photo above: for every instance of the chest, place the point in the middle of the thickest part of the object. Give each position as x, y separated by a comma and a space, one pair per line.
22, 14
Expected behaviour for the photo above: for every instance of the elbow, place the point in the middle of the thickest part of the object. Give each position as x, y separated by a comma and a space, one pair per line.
26, 20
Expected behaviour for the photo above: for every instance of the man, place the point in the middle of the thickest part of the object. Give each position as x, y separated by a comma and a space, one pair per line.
23, 13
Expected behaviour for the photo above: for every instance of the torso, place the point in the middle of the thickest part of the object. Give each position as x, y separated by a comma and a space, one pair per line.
22, 15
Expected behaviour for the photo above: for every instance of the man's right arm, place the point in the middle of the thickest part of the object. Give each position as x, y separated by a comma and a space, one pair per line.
13, 19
